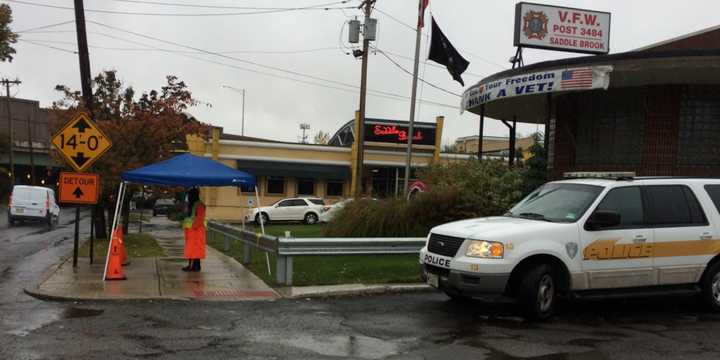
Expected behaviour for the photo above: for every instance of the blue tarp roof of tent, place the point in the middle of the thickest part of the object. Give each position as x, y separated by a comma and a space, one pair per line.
189, 170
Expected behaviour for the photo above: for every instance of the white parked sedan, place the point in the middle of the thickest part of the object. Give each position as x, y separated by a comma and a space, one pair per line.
330, 212
295, 209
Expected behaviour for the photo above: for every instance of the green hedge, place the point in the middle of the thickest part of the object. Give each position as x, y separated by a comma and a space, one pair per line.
456, 191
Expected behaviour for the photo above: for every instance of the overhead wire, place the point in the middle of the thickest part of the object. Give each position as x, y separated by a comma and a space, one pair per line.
47, 46
487, 61
46, 26
345, 86
411, 74
229, 7
214, 53
118, 12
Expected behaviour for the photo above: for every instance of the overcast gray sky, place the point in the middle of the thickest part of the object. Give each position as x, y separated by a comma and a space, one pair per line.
480, 30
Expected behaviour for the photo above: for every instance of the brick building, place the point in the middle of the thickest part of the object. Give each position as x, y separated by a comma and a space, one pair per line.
659, 114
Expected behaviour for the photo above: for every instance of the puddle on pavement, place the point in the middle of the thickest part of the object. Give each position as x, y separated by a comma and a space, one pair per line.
357, 346
73, 313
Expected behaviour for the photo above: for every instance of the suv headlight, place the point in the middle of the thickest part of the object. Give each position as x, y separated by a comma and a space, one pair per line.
485, 249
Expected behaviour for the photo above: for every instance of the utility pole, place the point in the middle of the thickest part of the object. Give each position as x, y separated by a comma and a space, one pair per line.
304, 127
33, 181
7, 84
86, 81
411, 130
360, 136
242, 128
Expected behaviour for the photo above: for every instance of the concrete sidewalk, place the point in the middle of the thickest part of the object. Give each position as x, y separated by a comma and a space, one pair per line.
221, 279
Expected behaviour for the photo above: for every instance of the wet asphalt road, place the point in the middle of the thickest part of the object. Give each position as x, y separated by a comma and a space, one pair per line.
409, 326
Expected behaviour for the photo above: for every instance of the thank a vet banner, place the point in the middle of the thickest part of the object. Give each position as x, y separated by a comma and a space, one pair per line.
571, 79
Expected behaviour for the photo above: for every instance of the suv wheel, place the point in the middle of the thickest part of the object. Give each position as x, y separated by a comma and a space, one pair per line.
537, 293
311, 218
11, 222
711, 288
265, 218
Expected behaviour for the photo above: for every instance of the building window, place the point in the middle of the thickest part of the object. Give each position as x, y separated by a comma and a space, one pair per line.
275, 185
247, 189
306, 187
334, 188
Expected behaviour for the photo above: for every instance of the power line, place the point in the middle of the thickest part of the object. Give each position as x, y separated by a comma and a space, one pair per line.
425, 34
173, 4
427, 63
269, 52
277, 10
411, 74
349, 87
46, 26
214, 53
47, 46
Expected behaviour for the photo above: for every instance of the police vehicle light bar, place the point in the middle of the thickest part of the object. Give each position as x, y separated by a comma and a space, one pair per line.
600, 174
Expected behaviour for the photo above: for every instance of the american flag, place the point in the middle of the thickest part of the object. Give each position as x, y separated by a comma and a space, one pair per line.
580, 78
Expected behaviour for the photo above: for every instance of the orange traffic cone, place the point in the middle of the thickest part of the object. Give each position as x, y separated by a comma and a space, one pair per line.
121, 246
115, 270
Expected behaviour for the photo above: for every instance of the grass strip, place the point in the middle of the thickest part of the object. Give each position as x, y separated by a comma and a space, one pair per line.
326, 269
136, 245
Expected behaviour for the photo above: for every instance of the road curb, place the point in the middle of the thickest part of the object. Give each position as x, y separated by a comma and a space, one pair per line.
329, 291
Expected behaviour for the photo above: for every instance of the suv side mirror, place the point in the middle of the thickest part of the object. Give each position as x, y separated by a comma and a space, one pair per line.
603, 219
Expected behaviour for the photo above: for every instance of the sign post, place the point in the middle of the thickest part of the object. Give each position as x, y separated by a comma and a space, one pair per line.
81, 143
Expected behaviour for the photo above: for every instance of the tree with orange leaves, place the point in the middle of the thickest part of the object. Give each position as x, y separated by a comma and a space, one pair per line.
143, 130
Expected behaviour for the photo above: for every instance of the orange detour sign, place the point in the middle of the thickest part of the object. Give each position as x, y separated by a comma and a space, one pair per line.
79, 188
114, 267
81, 142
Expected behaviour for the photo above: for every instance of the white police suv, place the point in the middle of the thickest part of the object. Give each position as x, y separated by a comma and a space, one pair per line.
614, 234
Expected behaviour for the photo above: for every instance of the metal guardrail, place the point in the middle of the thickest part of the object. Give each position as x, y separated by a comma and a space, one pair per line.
285, 248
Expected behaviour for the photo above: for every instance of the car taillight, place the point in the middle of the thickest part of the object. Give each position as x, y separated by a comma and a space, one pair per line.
10, 201
47, 202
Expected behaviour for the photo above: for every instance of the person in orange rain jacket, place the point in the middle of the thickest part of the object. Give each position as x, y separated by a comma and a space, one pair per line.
194, 228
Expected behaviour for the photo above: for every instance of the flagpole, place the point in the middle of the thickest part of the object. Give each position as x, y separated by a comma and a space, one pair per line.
411, 130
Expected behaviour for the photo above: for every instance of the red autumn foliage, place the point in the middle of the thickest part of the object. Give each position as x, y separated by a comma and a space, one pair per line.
143, 130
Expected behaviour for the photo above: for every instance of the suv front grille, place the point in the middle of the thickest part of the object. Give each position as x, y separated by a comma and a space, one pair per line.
444, 245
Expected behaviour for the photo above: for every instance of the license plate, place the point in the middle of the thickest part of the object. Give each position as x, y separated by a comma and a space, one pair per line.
433, 280
19, 210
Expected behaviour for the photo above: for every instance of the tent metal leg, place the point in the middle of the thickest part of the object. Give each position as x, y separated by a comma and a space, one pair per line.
118, 208
262, 226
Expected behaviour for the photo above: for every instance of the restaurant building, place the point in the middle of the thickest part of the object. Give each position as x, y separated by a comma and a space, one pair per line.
285, 169
654, 110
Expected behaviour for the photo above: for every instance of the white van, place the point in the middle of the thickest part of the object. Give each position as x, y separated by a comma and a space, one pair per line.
34, 203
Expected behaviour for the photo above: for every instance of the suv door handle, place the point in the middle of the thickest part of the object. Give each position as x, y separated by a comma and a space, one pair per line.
640, 239
706, 236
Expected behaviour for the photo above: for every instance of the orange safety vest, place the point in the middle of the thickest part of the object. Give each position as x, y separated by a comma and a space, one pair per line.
194, 227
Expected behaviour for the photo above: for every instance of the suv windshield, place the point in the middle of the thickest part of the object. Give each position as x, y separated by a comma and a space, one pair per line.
556, 202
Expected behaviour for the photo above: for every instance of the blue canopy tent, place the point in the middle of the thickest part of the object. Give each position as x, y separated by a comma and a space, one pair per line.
189, 170
183, 170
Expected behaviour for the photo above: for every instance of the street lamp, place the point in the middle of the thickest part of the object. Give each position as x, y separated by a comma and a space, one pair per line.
242, 128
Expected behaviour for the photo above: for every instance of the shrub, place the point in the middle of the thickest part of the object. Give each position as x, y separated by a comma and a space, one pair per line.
393, 217
485, 187
456, 191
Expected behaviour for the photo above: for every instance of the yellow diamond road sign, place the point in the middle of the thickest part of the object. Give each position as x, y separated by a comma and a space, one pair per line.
81, 142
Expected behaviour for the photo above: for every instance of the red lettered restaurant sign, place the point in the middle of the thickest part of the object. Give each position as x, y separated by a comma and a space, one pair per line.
397, 133
562, 28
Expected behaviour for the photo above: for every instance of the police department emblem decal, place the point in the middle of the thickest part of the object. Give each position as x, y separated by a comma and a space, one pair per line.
535, 25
